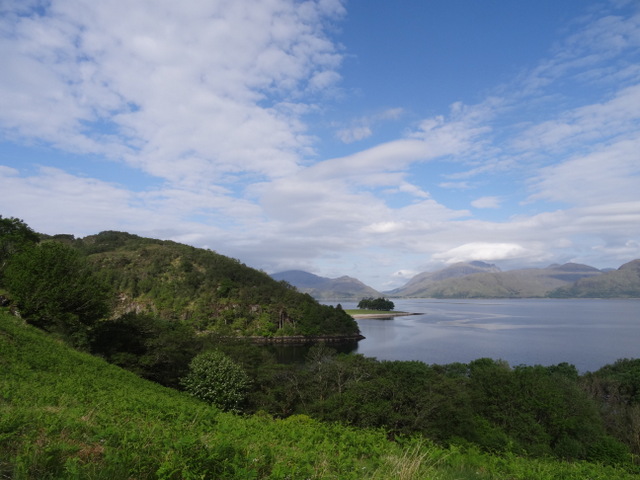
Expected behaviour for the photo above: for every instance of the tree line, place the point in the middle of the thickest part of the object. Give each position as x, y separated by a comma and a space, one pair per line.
380, 303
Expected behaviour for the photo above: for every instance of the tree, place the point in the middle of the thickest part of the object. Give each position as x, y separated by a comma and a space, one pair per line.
215, 378
371, 303
15, 235
56, 290
152, 347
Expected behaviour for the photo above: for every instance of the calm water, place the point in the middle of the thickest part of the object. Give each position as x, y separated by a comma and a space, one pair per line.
586, 333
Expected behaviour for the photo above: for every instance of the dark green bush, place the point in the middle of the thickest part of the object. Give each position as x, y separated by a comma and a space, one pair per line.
215, 378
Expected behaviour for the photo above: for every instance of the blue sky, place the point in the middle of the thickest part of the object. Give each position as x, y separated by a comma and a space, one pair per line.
367, 138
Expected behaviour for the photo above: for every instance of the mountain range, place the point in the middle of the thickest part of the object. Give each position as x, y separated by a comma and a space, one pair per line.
323, 288
483, 280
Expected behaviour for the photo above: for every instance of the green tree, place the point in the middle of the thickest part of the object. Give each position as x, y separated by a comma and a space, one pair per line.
380, 303
56, 290
15, 235
152, 347
215, 378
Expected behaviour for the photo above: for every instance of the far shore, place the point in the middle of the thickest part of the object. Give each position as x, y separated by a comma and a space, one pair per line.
380, 314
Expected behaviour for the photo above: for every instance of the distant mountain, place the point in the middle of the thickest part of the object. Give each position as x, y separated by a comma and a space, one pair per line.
623, 282
323, 288
421, 284
489, 282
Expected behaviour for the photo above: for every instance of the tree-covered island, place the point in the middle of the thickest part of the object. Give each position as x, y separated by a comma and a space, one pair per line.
378, 304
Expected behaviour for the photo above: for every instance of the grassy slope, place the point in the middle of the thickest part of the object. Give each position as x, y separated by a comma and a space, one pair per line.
65, 414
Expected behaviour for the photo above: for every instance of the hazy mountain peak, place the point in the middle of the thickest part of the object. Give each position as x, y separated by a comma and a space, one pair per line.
300, 279
573, 267
344, 287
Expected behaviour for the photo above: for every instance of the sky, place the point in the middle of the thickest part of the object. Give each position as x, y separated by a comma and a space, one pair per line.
367, 138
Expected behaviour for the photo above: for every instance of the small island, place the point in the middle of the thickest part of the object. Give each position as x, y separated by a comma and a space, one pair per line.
376, 308
377, 314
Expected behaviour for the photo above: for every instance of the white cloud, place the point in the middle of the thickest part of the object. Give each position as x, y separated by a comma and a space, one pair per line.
362, 127
192, 90
487, 202
610, 174
483, 251
353, 134
615, 117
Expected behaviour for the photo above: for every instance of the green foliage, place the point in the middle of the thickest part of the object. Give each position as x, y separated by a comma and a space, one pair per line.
616, 391
215, 378
152, 347
15, 236
212, 292
538, 411
168, 280
67, 415
371, 303
55, 289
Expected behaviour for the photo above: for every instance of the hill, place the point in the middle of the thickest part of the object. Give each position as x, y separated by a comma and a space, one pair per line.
209, 292
480, 280
323, 288
206, 289
421, 283
621, 283
67, 415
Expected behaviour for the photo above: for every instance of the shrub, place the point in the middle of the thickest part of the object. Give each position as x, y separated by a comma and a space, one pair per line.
215, 378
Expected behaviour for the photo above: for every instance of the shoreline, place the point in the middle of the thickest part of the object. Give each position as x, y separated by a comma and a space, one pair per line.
383, 314
303, 340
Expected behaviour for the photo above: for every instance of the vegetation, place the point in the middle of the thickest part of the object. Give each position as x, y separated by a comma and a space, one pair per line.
527, 410
215, 378
199, 288
15, 235
380, 303
56, 290
206, 290
67, 415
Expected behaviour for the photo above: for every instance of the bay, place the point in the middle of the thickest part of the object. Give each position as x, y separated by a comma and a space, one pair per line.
588, 333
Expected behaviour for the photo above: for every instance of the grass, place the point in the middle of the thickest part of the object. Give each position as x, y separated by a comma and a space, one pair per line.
68, 415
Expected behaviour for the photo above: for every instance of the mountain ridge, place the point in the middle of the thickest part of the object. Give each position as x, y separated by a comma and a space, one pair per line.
324, 288
477, 279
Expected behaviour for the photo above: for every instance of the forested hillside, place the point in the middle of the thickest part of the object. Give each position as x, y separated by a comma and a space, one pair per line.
200, 288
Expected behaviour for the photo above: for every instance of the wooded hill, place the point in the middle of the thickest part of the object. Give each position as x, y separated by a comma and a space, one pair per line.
171, 281
211, 291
